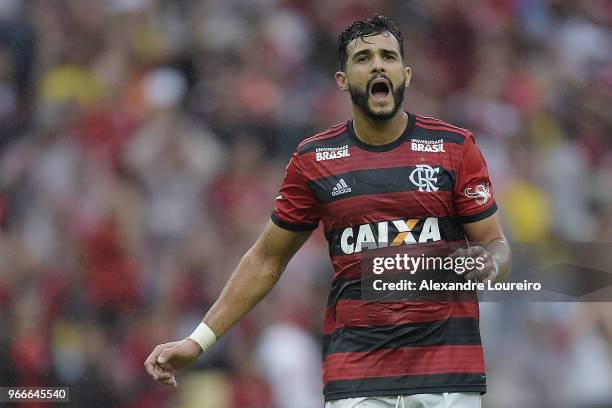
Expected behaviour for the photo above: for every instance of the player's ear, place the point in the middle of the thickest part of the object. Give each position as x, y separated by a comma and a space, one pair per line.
342, 80
407, 76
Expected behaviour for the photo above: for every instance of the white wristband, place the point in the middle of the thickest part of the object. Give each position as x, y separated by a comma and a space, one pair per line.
204, 336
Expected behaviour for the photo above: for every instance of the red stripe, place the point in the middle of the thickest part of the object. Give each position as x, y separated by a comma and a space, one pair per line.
360, 313
347, 266
404, 361
360, 159
441, 127
358, 155
434, 121
331, 132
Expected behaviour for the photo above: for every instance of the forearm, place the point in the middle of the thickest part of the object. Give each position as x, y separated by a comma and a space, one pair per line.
501, 253
252, 279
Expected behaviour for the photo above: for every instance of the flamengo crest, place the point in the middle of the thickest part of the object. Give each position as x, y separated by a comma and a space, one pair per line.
424, 177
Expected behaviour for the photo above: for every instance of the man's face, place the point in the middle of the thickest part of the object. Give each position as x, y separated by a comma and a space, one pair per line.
375, 75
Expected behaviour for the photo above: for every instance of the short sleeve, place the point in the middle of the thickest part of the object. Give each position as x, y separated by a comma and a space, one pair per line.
296, 208
473, 194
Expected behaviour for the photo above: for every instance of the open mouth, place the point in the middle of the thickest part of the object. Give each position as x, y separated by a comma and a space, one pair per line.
380, 88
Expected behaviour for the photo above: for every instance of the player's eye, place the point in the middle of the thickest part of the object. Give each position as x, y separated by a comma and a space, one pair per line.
363, 58
390, 57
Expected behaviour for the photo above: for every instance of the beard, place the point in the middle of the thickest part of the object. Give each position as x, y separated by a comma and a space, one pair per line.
361, 98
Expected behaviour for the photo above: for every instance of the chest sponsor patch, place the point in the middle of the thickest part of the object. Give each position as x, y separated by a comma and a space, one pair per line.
331, 153
389, 233
427, 146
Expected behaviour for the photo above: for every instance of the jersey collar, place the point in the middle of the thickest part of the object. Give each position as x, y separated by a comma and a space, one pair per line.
386, 147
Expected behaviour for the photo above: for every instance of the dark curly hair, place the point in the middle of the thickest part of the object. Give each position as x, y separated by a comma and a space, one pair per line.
359, 29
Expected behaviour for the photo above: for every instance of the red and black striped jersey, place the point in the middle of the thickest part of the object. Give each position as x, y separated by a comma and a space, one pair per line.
417, 190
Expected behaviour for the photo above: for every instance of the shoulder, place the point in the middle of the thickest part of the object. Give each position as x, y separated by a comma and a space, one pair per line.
444, 130
336, 134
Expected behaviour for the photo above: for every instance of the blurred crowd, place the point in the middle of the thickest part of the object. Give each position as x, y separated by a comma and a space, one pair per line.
142, 143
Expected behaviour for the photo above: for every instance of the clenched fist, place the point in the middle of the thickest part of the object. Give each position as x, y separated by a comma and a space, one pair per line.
484, 267
166, 358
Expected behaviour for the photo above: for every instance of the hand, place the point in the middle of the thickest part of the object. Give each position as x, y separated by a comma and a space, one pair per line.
484, 269
166, 358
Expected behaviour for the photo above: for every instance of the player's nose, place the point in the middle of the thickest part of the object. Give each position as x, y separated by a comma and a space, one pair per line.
378, 64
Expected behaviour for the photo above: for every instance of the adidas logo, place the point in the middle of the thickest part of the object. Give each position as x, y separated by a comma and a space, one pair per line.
341, 188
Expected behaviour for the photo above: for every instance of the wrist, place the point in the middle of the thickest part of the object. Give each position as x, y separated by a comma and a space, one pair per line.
203, 336
495, 262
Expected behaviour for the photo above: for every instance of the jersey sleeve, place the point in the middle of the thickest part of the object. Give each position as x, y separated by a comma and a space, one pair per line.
296, 208
473, 193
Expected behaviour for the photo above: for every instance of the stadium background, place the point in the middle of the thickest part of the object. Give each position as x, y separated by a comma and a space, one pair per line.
142, 143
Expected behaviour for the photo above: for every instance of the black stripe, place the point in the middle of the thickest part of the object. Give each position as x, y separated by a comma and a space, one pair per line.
379, 181
428, 134
451, 230
453, 331
405, 385
478, 216
292, 227
339, 140
344, 289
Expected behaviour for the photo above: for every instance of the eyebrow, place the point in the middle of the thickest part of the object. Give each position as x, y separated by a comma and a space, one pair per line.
367, 51
361, 52
388, 51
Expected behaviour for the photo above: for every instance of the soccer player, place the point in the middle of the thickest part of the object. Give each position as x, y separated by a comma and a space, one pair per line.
384, 178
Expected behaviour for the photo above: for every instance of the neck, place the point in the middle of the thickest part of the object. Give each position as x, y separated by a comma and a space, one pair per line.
374, 132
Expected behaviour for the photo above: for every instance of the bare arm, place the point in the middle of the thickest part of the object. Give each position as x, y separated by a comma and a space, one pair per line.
256, 274
489, 241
